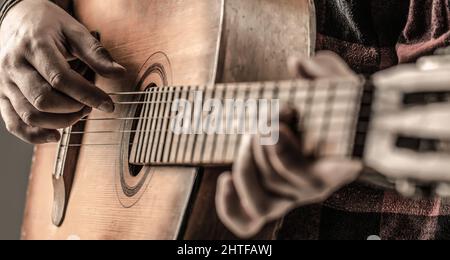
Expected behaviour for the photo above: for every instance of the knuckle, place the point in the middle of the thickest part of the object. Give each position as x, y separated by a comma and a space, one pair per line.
29, 118
37, 44
41, 101
33, 39
57, 80
98, 49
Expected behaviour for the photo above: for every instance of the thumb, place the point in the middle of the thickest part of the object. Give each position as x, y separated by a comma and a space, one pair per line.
89, 50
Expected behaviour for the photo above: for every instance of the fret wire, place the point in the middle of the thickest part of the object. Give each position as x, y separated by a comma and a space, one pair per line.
148, 111
176, 138
239, 138
227, 137
308, 106
347, 127
292, 94
165, 127
188, 138
209, 94
215, 136
197, 123
162, 111
171, 135
154, 138
136, 148
327, 116
177, 151
183, 137
206, 139
153, 125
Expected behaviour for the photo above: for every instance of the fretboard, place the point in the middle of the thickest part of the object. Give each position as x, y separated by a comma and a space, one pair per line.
329, 112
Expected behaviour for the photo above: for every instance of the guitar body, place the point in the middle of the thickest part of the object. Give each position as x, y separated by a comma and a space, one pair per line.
163, 43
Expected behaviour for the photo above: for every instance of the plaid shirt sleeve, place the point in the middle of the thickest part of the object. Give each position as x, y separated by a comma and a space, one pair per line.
427, 28
372, 35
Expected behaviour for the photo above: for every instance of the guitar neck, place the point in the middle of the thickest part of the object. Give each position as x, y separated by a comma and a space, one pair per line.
205, 125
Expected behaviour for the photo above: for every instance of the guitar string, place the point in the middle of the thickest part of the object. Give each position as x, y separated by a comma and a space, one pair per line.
119, 144
125, 103
336, 116
168, 118
283, 86
330, 132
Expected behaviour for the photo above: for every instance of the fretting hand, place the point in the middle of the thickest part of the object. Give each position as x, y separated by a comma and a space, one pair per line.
269, 181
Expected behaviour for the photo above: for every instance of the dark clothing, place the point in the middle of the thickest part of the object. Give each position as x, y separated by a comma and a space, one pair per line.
372, 35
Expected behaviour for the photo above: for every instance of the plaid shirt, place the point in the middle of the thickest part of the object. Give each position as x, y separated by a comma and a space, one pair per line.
372, 35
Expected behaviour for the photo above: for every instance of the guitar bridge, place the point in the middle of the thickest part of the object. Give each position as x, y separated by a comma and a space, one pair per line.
64, 172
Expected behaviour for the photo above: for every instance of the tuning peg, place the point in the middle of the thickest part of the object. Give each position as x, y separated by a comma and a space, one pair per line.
434, 62
443, 51
406, 188
443, 190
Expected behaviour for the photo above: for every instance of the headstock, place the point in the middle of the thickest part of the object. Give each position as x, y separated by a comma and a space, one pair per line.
409, 137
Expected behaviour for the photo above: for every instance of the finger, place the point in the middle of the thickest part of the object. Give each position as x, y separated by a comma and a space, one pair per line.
256, 200
231, 212
291, 117
26, 133
293, 64
56, 71
271, 178
312, 179
287, 160
324, 65
40, 94
333, 65
33, 117
336, 173
88, 49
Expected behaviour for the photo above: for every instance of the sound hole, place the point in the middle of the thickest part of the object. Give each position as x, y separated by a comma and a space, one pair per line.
134, 168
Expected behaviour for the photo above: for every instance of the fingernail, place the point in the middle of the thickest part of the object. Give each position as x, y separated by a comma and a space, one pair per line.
117, 65
87, 111
106, 107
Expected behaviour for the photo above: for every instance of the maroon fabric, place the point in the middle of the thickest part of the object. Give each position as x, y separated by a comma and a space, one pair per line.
372, 35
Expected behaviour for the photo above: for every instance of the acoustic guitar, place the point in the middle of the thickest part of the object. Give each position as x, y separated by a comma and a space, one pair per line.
127, 176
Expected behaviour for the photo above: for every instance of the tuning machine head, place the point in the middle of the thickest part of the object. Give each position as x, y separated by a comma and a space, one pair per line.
409, 137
